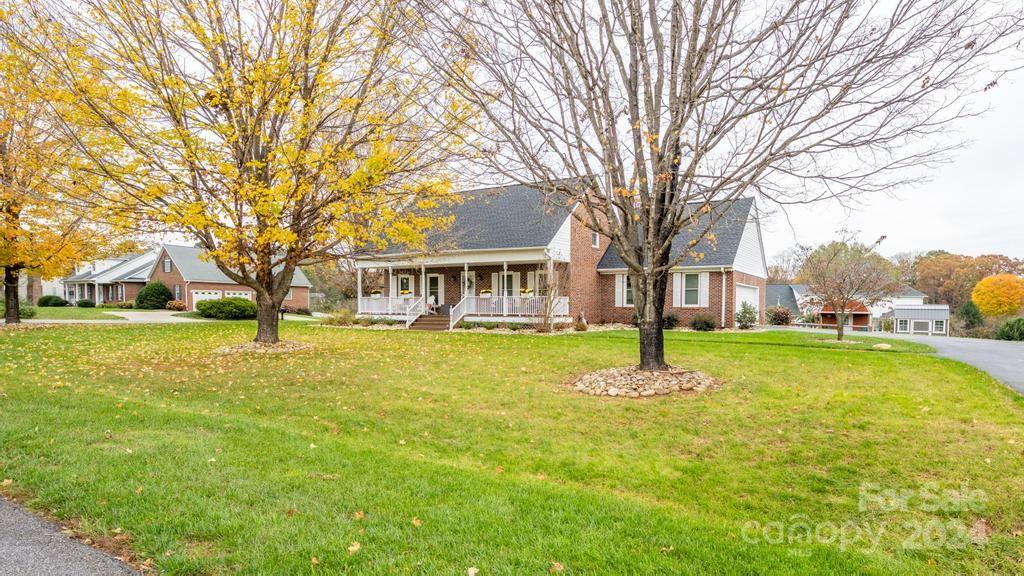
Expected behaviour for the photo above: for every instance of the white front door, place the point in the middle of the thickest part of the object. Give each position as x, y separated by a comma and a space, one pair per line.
435, 289
468, 283
200, 295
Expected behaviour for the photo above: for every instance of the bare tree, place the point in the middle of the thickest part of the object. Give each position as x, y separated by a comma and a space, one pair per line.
785, 265
650, 114
844, 273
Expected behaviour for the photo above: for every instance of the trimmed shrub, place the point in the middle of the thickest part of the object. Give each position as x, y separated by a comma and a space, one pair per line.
153, 296
515, 327
343, 317
127, 304
580, 326
176, 305
1012, 330
296, 310
489, 325
779, 316
670, 321
85, 303
746, 318
52, 301
703, 322
227, 309
26, 311
970, 315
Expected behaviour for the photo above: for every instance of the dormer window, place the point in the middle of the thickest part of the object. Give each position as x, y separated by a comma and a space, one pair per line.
167, 264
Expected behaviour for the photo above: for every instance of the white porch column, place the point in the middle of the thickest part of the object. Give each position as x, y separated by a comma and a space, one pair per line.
359, 289
98, 294
465, 280
502, 281
423, 282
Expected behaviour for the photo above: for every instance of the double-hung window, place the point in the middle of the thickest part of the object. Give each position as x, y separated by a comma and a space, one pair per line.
903, 325
627, 293
691, 289
167, 264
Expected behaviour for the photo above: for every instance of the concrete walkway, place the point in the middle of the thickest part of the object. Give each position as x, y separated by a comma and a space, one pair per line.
29, 545
1003, 360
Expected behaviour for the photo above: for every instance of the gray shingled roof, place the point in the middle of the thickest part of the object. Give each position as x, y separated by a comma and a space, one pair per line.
135, 274
193, 269
781, 295
513, 216
722, 252
89, 274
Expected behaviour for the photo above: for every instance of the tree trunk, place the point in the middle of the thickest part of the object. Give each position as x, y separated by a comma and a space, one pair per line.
840, 320
650, 323
652, 345
12, 311
267, 320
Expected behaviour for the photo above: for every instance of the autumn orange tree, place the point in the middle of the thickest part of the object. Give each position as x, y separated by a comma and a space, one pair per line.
42, 231
999, 295
950, 278
275, 132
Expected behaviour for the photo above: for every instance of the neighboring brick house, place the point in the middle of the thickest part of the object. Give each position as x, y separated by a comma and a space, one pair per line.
114, 279
192, 279
510, 256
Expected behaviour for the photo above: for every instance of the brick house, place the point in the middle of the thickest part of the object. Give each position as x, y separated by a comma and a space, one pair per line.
115, 279
192, 279
511, 257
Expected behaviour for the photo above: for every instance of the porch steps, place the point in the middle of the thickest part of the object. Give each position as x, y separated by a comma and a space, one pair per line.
434, 322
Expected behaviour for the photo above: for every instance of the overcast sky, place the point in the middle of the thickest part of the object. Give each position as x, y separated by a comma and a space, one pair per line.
974, 205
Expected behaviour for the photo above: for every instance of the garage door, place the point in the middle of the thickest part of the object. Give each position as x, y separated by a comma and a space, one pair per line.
200, 295
247, 294
747, 294
922, 327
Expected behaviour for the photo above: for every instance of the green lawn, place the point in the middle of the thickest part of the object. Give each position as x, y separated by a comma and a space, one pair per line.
259, 464
73, 313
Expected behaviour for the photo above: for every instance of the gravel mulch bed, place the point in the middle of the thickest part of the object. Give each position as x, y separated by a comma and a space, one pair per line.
632, 382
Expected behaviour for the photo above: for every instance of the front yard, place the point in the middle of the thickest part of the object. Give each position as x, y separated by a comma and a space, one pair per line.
432, 453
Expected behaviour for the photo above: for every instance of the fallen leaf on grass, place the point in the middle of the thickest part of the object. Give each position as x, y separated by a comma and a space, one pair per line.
354, 547
7, 482
472, 571
358, 515
314, 561
417, 522
556, 567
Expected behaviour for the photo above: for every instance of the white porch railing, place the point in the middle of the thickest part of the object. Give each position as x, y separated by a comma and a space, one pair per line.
458, 311
416, 309
511, 306
386, 306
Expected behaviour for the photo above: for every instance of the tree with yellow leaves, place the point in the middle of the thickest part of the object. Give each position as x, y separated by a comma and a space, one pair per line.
999, 295
41, 230
276, 132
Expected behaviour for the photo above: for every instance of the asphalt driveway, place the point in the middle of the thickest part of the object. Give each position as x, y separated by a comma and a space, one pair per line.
1003, 360
30, 545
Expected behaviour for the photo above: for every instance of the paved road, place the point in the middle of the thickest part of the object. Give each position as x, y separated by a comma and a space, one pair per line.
30, 546
1003, 360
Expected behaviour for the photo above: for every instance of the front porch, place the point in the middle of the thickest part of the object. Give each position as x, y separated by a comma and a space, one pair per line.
523, 292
